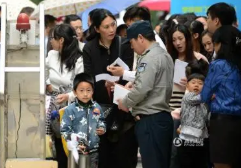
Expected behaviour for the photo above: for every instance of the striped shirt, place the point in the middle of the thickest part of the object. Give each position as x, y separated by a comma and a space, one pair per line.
177, 95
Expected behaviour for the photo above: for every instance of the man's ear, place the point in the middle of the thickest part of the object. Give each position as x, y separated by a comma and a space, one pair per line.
140, 37
217, 21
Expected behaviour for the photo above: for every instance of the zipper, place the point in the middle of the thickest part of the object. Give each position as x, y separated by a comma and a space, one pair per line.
87, 117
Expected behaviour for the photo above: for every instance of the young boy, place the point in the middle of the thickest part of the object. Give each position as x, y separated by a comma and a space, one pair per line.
192, 151
84, 118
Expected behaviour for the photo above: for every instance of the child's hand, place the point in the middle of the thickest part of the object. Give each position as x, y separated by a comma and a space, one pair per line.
100, 131
82, 149
179, 130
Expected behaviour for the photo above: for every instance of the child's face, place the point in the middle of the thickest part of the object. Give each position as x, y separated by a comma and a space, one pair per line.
195, 85
84, 92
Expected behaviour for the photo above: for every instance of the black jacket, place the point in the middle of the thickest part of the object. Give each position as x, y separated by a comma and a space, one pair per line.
96, 60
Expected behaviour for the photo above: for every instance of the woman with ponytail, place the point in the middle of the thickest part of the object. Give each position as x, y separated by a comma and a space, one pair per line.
63, 62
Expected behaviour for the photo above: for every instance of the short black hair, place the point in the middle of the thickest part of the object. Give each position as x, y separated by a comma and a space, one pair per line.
83, 77
137, 12
224, 12
49, 20
149, 36
71, 18
196, 76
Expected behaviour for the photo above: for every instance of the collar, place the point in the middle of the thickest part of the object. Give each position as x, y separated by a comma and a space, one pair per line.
153, 45
84, 105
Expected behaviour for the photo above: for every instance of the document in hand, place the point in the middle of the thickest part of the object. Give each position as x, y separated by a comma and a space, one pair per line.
179, 71
106, 77
121, 63
119, 93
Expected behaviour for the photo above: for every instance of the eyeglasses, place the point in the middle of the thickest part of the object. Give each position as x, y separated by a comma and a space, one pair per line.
113, 24
78, 27
87, 91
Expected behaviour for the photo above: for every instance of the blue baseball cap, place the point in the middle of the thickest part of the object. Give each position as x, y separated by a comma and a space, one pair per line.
139, 27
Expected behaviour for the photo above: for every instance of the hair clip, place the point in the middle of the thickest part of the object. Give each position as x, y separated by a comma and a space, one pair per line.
175, 21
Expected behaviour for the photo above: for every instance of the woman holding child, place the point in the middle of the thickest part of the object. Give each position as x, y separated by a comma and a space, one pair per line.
222, 92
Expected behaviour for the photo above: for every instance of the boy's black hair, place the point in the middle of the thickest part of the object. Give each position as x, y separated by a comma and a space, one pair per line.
83, 77
196, 76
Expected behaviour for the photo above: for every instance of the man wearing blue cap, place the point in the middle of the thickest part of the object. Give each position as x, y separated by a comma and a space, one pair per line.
150, 95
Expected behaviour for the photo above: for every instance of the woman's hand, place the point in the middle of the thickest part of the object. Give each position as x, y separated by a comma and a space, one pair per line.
183, 82
110, 85
49, 88
61, 98
115, 70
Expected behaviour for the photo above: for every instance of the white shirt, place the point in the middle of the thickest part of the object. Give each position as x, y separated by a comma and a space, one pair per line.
81, 45
159, 40
130, 75
55, 77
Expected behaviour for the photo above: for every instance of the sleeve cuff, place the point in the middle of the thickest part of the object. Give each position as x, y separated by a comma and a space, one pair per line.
129, 75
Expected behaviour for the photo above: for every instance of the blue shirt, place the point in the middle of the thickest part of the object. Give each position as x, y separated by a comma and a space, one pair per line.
223, 81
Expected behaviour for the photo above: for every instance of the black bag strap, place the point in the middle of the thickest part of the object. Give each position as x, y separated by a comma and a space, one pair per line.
119, 54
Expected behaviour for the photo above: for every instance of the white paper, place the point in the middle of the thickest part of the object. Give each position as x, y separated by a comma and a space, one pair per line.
121, 63
119, 93
179, 71
106, 77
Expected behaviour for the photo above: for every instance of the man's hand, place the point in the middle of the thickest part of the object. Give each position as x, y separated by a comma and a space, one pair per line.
129, 85
61, 98
121, 106
115, 70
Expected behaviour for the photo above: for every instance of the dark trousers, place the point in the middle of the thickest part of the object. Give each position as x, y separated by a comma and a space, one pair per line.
119, 154
154, 135
61, 156
193, 155
174, 159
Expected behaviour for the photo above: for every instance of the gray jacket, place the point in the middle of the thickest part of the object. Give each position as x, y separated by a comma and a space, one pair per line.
153, 83
194, 116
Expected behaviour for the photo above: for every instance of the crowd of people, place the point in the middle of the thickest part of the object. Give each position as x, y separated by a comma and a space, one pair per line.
192, 123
